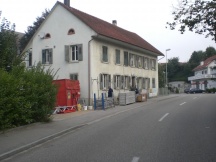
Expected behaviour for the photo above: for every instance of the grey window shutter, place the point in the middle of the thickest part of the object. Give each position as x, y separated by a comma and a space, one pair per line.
51, 56
130, 82
80, 56
109, 80
122, 82
67, 57
101, 81
43, 56
114, 81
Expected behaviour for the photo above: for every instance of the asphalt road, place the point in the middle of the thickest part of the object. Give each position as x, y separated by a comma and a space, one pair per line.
181, 129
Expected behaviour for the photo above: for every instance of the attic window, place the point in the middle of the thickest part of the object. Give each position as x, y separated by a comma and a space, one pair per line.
71, 31
47, 36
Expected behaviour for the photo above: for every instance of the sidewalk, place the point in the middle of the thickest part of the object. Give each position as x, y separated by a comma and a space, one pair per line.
19, 139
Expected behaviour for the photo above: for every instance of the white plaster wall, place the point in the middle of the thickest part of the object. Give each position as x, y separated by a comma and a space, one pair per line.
111, 68
58, 25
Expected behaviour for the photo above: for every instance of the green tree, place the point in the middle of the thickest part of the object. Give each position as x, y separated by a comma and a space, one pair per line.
32, 29
8, 45
173, 67
161, 75
197, 15
196, 58
210, 51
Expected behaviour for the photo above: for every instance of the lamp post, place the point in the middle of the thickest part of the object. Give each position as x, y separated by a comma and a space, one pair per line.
166, 66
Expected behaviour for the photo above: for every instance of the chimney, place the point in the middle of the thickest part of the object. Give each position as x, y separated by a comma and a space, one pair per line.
202, 63
114, 22
67, 3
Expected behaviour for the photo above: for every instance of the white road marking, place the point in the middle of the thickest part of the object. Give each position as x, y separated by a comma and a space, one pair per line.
183, 103
194, 98
163, 117
135, 159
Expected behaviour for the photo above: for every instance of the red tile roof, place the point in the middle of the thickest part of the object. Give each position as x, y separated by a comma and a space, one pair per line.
205, 63
112, 31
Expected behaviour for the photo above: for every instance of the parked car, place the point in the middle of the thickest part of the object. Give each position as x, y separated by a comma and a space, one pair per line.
196, 90
187, 90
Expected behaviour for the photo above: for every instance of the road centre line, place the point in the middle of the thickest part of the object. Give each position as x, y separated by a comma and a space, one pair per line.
163, 117
182, 103
135, 159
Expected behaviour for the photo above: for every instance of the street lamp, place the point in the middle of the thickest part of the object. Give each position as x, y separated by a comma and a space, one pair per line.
166, 66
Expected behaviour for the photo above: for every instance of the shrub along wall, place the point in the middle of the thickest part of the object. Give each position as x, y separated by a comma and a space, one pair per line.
26, 96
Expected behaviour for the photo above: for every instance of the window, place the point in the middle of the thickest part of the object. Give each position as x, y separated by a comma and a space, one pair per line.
153, 82
105, 81
71, 31
140, 61
105, 54
73, 53
136, 58
47, 57
132, 59
117, 81
126, 82
144, 86
153, 64
118, 57
146, 63
126, 62
30, 59
74, 76
139, 82
47, 36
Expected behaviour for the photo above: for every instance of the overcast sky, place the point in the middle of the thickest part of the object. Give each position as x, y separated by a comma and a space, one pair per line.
147, 18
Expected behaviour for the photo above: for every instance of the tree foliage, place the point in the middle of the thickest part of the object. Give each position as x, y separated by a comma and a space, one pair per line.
32, 29
197, 15
8, 45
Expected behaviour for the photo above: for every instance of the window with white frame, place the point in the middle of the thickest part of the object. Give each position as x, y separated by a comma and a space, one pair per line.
74, 76
126, 62
73, 53
118, 61
105, 81
139, 82
153, 64
47, 56
132, 59
140, 62
144, 83
146, 63
117, 81
104, 54
126, 82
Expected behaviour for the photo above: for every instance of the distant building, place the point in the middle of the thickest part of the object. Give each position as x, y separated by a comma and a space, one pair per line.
204, 74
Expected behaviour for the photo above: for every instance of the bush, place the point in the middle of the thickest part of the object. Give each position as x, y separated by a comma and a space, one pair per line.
26, 96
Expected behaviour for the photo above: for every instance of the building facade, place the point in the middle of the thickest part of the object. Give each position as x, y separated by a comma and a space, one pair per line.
97, 53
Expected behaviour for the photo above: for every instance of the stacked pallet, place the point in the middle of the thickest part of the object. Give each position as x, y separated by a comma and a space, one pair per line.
127, 98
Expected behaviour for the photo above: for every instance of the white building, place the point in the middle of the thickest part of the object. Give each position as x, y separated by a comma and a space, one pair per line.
204, 74
95, 52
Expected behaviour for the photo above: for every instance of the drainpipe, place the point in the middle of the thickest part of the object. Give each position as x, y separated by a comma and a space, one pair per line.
89, 71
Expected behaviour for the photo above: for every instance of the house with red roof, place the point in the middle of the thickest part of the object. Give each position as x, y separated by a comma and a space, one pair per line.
204, 74
97, 53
